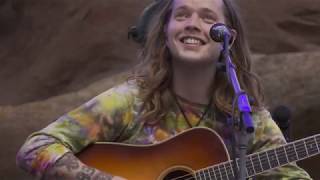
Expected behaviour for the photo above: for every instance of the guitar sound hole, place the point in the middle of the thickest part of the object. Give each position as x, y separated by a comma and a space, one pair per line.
179, 175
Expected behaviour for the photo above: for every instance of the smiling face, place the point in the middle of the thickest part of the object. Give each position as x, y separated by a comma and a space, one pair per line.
188, 30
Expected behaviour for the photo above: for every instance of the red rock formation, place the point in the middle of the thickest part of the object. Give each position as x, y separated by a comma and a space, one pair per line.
284, 83
54, 47
49, 48
278, 26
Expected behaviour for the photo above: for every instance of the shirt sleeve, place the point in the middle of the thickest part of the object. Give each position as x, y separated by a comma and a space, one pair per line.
101, 119
269, 136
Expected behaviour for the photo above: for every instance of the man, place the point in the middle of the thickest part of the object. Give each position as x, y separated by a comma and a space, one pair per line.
179, 89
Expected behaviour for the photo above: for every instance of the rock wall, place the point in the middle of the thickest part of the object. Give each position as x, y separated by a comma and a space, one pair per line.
55, 47
291, 87
280, 26
55, 55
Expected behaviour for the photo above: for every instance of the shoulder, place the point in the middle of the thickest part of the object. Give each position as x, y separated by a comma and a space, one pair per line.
267, 133
119, 96
125, 89
263, 120
261, 114
264, 123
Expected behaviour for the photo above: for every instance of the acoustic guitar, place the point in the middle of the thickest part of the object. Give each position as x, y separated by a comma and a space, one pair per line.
195, 154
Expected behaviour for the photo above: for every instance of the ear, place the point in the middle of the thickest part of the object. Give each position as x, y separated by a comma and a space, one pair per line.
234, 37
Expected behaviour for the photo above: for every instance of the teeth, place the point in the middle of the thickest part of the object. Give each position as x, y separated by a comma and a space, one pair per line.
191, 41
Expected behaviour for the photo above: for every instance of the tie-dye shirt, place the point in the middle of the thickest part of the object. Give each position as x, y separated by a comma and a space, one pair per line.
114, 116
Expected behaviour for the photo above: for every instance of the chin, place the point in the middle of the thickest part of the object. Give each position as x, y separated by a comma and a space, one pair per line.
194, 60
196, 57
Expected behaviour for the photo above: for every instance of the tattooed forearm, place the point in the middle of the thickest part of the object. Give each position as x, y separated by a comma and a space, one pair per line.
86, 173
69, 167
69, 162
102, 176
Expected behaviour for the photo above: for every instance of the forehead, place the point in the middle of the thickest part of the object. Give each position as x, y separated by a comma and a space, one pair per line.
213, 5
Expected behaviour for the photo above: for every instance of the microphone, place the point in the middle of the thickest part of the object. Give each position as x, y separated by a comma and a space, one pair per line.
219, 32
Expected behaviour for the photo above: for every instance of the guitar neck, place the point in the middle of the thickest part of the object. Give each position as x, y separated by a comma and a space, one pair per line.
260, 162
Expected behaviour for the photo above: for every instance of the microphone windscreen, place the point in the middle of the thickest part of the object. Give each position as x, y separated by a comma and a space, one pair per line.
219, 31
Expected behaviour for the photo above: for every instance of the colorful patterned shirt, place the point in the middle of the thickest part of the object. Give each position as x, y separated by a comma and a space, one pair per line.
114, 116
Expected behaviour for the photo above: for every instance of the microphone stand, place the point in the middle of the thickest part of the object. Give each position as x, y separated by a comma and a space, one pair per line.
246, 126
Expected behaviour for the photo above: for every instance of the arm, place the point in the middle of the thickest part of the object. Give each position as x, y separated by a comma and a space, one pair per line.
69, 167
66, 167
100, 119
268, 136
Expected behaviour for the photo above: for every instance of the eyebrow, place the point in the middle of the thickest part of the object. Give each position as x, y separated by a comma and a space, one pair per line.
181, 8
206, 10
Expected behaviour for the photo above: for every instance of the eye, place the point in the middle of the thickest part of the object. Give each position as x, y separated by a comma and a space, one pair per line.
181, 16
209, 19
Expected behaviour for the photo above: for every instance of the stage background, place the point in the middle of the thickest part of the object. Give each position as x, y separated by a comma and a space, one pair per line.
55, 55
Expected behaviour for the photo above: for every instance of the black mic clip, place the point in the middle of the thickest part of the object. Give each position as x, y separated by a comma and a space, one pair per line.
221, 67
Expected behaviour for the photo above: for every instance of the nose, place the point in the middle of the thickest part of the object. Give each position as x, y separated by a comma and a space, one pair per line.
193, 23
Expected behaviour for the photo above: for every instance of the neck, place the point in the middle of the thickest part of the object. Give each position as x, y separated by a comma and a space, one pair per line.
193, 82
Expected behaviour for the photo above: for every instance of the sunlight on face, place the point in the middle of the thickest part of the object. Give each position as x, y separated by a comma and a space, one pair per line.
188, 30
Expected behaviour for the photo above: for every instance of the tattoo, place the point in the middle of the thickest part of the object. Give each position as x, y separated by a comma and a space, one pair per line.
69, 167
102, 176
58, 175
82, 176
85, 174
68, 161
88, 170
73, 164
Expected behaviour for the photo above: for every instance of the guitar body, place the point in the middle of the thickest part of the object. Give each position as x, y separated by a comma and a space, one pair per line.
189, 151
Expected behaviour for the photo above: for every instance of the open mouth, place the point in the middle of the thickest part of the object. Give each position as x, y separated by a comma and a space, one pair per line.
192, 41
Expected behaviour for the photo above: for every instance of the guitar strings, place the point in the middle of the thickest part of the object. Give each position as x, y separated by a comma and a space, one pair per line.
298, 149
188, 176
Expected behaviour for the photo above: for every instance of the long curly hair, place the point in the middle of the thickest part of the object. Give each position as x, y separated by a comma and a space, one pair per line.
155, 73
